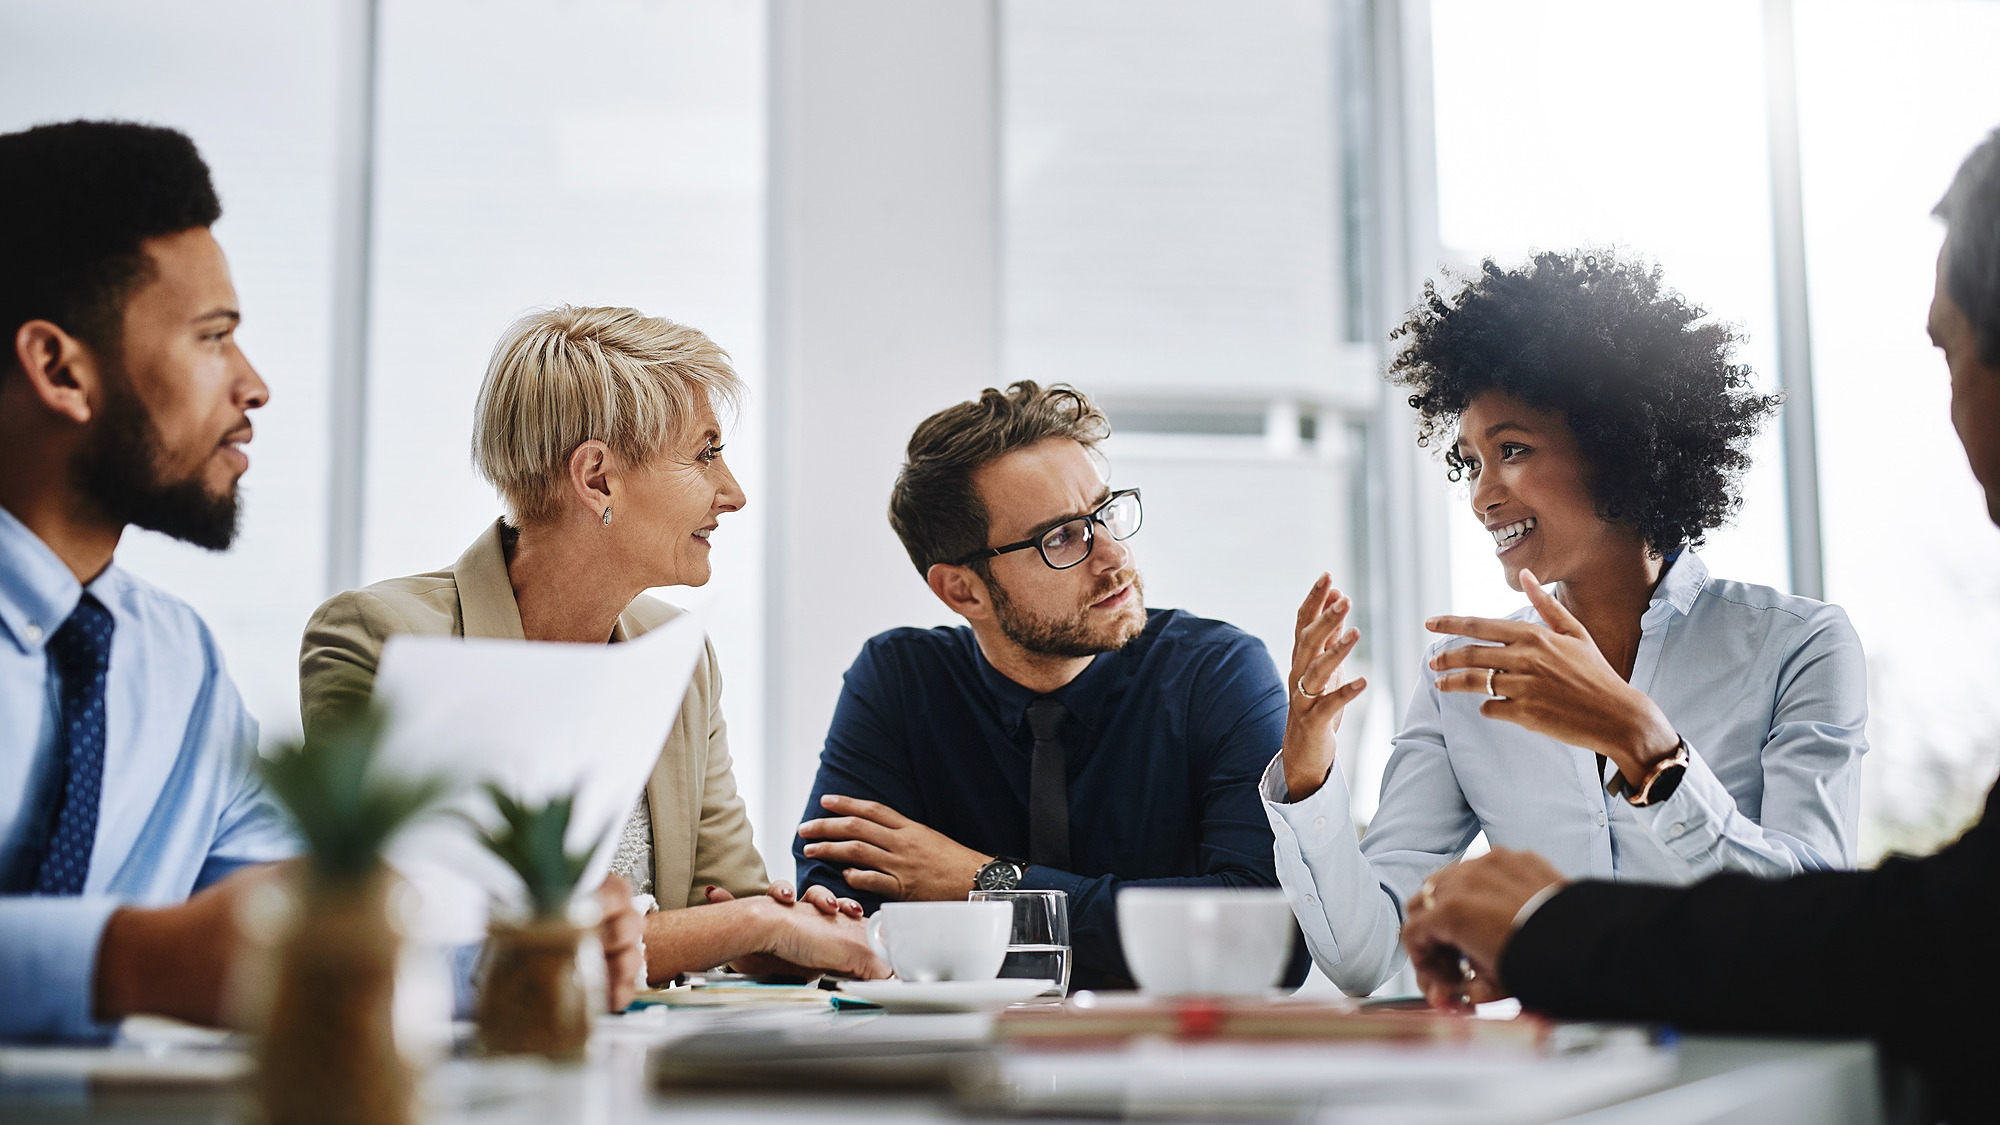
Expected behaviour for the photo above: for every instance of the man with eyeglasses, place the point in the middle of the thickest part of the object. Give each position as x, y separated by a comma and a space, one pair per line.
1065, 737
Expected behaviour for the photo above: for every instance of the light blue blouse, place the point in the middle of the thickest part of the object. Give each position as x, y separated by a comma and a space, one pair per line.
1769, 690
181, 805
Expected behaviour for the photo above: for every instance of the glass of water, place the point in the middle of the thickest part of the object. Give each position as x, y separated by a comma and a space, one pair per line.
1039, 946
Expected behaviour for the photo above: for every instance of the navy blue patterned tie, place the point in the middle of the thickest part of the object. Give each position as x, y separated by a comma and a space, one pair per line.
79, 654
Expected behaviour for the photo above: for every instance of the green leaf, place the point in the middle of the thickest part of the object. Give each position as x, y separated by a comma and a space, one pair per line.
530, 840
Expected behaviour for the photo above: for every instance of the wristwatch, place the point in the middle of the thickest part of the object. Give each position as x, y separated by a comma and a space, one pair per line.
1660, 783
1003, 874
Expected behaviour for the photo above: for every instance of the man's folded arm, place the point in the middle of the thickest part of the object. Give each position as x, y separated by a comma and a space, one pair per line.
864, 757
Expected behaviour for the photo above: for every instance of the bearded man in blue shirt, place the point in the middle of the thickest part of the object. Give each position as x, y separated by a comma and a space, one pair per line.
126, 780
1065, 737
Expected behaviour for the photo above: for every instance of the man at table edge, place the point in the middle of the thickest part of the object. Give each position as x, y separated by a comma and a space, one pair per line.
1895, 953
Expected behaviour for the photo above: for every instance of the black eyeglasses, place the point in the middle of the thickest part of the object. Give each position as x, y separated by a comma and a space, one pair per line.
1069, 542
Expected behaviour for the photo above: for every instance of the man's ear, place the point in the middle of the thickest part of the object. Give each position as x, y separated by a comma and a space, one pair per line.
961, 590
61, 370
590, 475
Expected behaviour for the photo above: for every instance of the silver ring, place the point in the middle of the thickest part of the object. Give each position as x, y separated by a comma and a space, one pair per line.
1301, 685
1489, 684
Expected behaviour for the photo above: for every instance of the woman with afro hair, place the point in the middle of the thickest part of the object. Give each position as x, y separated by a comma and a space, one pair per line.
1639, 719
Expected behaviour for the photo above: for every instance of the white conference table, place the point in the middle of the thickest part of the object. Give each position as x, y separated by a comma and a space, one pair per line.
1700, 1079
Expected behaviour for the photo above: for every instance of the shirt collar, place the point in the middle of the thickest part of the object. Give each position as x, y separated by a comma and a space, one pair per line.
1083, 695
1683, 582
37, 591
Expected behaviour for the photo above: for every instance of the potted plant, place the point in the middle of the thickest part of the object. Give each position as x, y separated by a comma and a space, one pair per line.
328, 1051
532, 998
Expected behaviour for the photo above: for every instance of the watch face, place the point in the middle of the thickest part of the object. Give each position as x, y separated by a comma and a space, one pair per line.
1000, 875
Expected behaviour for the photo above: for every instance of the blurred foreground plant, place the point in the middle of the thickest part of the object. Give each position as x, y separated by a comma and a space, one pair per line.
328, 1052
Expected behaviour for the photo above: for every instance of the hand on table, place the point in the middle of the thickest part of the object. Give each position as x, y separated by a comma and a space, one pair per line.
1552, 680
803, 940
619, 933
176, 960
1462, 918
1320, 644
781, 892
888, 854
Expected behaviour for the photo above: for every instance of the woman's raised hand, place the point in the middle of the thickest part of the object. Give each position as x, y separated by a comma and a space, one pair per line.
1552, 680
1318, 689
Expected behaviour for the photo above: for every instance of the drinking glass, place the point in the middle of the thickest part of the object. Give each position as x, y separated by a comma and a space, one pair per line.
1039, 945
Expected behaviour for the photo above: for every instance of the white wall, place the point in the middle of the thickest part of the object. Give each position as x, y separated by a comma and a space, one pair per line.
254, 85
883, 307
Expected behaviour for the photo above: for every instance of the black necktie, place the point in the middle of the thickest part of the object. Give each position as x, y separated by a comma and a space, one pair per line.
79, 655
1048, 786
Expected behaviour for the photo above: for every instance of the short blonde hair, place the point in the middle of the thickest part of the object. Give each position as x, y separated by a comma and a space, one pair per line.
563, 376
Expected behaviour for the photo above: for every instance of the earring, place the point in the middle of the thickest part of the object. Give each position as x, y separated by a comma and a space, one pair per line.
607, 517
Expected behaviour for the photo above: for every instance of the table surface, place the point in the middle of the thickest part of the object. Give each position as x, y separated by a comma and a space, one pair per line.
1699, 1079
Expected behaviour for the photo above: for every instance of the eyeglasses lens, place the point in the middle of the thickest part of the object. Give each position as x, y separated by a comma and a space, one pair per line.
1121, 517
1066, 544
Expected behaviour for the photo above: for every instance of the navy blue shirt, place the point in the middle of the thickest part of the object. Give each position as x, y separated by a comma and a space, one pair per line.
1168, 738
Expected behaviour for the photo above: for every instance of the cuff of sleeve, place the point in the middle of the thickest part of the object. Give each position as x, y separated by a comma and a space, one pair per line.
1040, 878
1692, 821
48, 965
1315, 820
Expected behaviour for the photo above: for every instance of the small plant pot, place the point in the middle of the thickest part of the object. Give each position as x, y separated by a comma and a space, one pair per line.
532, 996
328, 1052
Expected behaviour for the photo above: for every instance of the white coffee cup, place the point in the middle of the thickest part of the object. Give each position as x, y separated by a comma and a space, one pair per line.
1205, 941
933, 941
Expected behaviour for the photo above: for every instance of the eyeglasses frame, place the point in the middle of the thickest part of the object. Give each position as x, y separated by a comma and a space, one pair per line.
1091, 521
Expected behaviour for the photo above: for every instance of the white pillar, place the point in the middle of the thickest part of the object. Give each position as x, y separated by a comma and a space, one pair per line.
883, 309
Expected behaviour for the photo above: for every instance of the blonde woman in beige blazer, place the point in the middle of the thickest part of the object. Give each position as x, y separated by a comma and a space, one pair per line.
598, 427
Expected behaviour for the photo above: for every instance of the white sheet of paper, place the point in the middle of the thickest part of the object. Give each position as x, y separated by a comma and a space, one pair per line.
538, 720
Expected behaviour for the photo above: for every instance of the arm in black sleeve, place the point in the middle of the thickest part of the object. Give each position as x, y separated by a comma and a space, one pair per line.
866, 756
1832, 953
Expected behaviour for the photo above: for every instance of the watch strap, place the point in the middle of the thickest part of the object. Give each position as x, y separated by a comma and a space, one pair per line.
1663, 779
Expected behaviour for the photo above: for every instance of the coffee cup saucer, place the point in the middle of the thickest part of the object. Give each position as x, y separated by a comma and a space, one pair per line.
946, 995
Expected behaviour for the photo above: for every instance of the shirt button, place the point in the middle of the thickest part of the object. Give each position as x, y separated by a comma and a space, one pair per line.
1675, 831
1312, 900
1319, 822
33, 633
1600, 818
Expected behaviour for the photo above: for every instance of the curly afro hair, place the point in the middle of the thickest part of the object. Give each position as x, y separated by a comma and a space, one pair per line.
1661, 415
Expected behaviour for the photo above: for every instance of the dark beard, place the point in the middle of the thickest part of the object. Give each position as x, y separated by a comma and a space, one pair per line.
1069, 636
118, 470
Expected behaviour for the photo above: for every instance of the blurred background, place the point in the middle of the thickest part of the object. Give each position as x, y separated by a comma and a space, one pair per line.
1206, 213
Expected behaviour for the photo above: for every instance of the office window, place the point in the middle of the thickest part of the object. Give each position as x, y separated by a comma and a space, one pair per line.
1565, 124
1892, 97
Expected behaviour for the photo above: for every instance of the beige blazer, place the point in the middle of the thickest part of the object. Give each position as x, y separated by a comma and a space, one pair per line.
701, 833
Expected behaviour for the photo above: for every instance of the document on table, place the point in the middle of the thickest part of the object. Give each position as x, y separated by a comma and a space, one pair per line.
538, 720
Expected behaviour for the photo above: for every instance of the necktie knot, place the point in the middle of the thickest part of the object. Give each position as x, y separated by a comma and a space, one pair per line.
1045, 716
81, 647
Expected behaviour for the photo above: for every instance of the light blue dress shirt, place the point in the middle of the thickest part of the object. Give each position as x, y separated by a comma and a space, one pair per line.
181, 806
1769, 691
